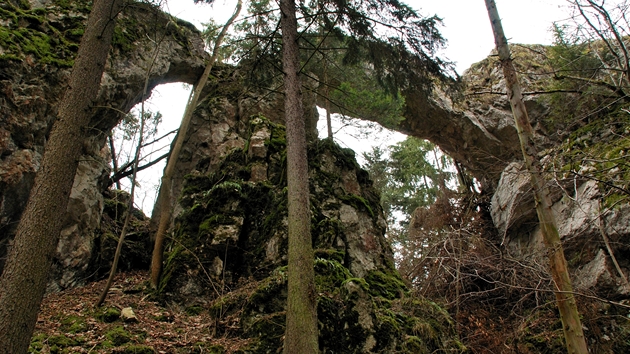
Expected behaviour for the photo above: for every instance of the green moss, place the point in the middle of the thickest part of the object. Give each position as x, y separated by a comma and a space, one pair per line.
268, 297
269, 333
121, 39
194, 310
388, 329
37, 343
358, 203
598, 151
350, 309
9, 57
74, 324
118, 336
70, 4
613, 200
388, 285
339, 330
171, 265
227, 186
326, 231
331, 254
107, 314
228, 303
29, 33
329, 274
358, 281
61, 341
5, 35
211, 222
414, 344
277, 141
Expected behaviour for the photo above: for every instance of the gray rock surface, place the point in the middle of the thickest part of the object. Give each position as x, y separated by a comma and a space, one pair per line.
30, 91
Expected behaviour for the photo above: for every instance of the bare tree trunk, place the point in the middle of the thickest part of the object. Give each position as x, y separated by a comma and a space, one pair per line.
136, 162
327, 94
112, 151
572, 326
165, 199
123, 233
23, 282
301, 335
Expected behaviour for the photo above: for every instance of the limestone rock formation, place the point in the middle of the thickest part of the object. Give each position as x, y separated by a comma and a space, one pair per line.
231, 227
37, 48
583, 148
229, 251
584, 221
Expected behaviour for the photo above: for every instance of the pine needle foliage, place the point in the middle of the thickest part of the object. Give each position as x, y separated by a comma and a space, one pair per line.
390, 40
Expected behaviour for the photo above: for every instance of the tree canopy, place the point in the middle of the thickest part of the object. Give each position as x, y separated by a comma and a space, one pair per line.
393, 45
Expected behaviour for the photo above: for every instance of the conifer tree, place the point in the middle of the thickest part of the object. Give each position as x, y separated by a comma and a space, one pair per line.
301, 329
25, 275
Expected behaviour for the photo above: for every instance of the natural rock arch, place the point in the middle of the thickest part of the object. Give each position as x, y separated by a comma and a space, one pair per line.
480, 136
32, 89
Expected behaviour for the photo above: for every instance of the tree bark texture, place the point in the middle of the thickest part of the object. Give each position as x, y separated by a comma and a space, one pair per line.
25, 275
571, 324
301, 335
165, 197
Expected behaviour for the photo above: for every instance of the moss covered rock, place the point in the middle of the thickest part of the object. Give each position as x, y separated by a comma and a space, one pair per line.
230, 247
38, 43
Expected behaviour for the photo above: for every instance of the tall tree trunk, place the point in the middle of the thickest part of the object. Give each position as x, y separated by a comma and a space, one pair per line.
573, 334
327, 94
25, 275
301, 327
165, 199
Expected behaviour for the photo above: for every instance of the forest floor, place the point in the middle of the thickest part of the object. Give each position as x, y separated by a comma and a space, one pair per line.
69, 322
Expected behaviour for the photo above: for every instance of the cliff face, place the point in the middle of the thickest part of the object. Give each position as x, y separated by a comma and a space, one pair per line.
228, 252
583, 162
229, 244
37, 47
582, 157
473, 122
33, 80
230, 224
582, 135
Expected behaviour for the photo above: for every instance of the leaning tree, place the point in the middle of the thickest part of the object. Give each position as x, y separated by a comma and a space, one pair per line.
25, 275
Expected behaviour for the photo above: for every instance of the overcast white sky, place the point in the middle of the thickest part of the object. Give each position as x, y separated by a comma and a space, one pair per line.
466, 27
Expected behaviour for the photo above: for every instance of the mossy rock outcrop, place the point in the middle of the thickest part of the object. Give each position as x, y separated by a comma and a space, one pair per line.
228, 253
38, 43
137, 245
